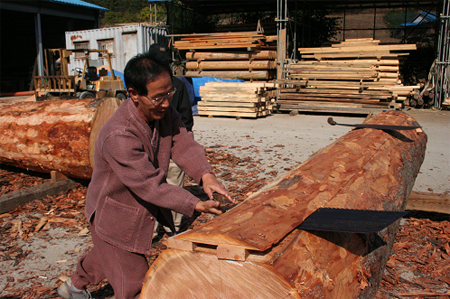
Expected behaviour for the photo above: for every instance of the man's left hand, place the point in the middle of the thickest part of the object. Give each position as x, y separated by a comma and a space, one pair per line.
211, 185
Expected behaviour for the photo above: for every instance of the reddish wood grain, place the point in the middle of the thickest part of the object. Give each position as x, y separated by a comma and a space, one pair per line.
365, 169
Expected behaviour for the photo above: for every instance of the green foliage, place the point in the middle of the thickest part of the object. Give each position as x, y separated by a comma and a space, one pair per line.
181, 19
254, 17
184, 20
318, 27
123, 11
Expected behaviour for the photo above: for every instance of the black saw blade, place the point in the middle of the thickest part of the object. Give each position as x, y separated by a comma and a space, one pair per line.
350, 221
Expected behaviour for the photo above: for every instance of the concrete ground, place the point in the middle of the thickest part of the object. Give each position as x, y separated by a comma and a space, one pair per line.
282, 141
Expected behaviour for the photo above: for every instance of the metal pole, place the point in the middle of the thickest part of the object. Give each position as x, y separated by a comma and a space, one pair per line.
442, 84
39, 48
374, 20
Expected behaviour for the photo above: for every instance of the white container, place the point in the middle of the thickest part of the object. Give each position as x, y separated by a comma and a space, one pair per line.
123, 42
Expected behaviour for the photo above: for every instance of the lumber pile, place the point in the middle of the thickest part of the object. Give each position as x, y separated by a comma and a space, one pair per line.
236, 99
356, 73
244, 55
257, 250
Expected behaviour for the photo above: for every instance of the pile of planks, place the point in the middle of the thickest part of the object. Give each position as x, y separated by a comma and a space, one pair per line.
236, 99
244, 55
355, 73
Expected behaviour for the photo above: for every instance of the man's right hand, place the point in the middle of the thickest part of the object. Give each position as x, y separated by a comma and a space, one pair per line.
209, 206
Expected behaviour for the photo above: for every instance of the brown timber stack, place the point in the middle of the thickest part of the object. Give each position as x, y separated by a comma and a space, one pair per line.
356, 73
221, 55
53, 135
256, 250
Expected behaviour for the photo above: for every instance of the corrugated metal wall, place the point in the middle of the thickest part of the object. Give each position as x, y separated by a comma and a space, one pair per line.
124, 42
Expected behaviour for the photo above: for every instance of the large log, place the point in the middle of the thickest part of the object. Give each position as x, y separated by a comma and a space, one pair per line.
231, 65
53, 135
256, 249
257, 54
233, 74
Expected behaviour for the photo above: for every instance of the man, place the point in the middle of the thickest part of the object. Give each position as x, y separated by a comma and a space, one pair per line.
175, 175
128, 191
181, 103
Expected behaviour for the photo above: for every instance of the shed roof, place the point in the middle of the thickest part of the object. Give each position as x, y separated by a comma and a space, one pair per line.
79, 3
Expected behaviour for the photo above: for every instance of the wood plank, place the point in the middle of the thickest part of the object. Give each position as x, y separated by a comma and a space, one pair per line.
234, 114
235, 55
428, 202
242, 84
328, 99
230, 98
206, 109
360, 49
363, 61
292, 104
379, 55
233, 253
210, 103
10, 201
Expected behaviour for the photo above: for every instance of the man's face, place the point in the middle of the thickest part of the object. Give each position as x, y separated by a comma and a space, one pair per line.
146, 105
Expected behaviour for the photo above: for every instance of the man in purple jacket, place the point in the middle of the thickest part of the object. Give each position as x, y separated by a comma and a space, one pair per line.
128, 191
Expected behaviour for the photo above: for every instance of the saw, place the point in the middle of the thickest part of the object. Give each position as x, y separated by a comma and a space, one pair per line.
374, 126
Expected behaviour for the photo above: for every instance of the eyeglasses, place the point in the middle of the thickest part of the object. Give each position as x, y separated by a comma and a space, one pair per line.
159, 100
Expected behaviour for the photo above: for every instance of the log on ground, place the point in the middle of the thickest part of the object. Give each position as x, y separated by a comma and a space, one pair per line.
53, 135
365, 169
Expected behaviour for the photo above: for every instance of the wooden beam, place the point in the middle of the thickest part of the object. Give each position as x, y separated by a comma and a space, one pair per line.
428, 202
17, 198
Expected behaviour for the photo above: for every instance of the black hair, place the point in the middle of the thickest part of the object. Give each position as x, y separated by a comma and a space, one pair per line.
144, 68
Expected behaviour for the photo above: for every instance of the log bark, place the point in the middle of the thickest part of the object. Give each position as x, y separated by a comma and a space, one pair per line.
365, 169
53, 135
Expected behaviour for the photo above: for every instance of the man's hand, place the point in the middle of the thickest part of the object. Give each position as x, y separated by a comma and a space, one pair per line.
209, 206
210, 185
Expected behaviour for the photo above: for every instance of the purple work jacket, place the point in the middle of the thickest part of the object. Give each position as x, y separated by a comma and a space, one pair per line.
128, 188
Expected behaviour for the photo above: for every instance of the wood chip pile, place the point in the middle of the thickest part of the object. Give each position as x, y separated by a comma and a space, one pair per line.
239, 55
356, 73
244, 99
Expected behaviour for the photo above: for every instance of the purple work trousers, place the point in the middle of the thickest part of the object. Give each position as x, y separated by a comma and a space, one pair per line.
124, 270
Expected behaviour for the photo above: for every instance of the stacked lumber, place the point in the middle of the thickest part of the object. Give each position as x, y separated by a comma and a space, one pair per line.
355, 73
224, 40
236, 99
221, 55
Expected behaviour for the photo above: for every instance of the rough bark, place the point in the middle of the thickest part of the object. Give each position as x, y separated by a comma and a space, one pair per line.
53, 135
365, 169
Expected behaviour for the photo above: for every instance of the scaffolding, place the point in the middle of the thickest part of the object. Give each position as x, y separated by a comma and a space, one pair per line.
441, 72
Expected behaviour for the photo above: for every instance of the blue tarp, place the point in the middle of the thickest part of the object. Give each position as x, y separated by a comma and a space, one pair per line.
421, 18
197, 82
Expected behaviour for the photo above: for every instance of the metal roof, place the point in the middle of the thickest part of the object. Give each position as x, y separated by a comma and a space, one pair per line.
79, 3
